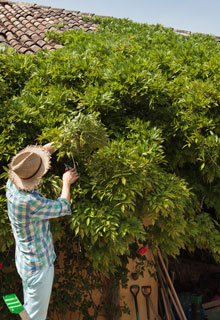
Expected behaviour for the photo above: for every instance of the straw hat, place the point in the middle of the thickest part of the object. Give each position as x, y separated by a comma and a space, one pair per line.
28, 167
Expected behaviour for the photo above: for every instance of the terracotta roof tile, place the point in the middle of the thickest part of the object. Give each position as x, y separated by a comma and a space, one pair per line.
28, 52
28, 25
10, 36
47, 46
29, 43
42, 34
41, 43
35, 37
17, 47
19, 33
23, 25
13, 29
33, 29
21, 49
24, 38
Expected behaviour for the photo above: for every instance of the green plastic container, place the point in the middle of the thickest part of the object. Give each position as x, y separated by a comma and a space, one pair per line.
13, 303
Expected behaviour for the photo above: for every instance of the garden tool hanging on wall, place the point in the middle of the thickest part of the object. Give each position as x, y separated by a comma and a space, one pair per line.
135, 290
146, 291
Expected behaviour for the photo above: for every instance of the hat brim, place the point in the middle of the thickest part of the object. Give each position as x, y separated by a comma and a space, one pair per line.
31, 183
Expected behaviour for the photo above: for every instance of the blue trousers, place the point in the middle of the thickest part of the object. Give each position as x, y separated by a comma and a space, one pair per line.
37, 291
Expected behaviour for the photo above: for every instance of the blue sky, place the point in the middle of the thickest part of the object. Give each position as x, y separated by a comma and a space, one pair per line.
192, 15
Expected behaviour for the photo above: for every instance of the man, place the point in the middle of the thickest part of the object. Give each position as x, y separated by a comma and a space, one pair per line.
29, 213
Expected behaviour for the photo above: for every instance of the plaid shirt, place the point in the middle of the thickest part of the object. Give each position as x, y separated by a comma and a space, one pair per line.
29, 213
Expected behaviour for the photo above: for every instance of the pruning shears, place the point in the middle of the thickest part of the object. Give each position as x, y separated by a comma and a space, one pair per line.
67, 167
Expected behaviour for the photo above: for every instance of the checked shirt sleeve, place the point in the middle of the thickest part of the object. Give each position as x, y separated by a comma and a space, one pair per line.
42, 208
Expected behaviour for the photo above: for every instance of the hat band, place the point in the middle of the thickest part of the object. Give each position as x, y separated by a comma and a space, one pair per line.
34, 172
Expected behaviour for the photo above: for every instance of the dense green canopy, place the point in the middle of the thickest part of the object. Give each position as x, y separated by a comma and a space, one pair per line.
141, 106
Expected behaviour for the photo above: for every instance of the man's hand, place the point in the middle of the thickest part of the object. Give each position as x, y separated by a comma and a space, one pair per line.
49, 147
70, 176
